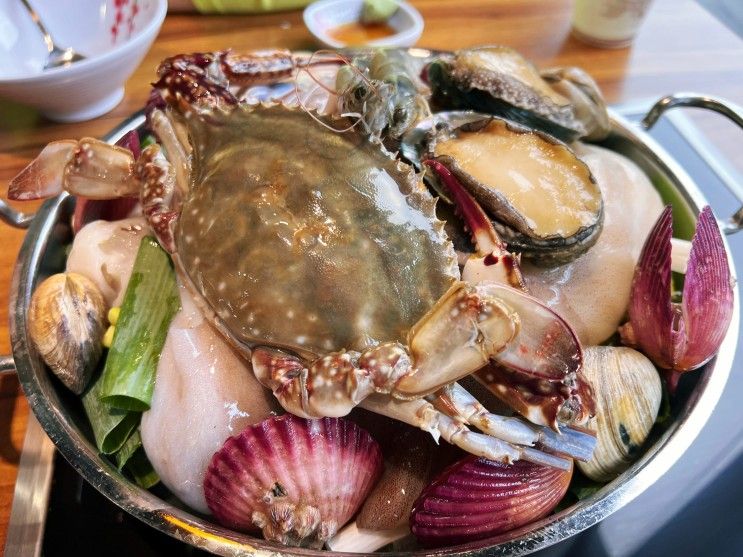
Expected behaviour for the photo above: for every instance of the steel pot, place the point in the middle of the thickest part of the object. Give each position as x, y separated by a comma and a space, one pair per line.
61, 415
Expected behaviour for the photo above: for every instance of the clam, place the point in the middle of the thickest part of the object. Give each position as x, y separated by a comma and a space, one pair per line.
628, 393
681, 337
66, 322
543, 200
589, 107
478, 498
295, 480
498, 80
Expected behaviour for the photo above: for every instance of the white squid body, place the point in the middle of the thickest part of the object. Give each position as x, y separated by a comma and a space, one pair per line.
204, 393
105, 252
592, 292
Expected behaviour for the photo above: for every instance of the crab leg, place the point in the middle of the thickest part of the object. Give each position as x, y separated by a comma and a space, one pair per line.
422, 414
331, 375
174, 140
459, 335
89, 168
157, 194
493, 261
455, 401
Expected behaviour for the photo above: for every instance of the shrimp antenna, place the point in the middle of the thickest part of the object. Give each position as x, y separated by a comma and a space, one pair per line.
333, 57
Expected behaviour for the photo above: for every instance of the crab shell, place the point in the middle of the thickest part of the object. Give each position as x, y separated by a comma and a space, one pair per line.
321, 258
307, 240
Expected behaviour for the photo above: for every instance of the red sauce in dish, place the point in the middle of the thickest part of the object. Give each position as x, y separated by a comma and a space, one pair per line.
355, 33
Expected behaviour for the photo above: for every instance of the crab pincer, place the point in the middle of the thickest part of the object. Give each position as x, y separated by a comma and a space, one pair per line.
680, 337
89, 167
538, 375
493, 261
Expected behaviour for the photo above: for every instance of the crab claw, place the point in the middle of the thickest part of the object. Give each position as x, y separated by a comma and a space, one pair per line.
681, 337
458, 335
88, 168
43, 177
539, 374
493, 261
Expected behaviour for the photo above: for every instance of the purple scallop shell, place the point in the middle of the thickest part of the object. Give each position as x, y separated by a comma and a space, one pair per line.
298, 481
682, 337
477, 498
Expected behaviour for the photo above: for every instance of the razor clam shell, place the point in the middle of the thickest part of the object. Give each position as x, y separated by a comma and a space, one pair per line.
628, 393
66, 321
419, 143
407, 471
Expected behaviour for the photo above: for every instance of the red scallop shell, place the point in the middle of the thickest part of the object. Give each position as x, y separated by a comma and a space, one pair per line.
295, 480
477, 498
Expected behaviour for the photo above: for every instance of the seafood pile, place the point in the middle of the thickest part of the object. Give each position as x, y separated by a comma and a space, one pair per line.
277, 317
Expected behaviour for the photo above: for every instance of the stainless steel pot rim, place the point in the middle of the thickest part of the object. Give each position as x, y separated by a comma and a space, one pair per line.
197, 531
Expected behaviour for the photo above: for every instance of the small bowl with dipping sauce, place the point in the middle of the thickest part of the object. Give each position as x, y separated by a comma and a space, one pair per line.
337, 23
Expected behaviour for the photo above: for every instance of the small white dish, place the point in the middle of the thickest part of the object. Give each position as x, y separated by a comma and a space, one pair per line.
114, 35
325, 15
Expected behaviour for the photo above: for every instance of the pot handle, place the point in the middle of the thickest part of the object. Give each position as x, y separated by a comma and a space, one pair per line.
731, 110
7, 365
13, 217
18, 220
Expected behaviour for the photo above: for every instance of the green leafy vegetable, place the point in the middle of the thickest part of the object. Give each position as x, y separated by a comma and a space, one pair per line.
580, 488
148, 140
141, 469
111, 426
128, 449
132, 458
664, 413
150, 303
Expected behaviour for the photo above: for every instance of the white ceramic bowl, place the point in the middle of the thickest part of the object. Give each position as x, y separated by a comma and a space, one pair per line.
323, 16
114, 35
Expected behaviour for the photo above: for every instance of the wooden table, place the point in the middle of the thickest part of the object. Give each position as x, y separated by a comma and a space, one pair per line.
680, 47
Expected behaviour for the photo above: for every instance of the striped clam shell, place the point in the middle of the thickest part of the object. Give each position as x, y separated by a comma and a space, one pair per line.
477, 498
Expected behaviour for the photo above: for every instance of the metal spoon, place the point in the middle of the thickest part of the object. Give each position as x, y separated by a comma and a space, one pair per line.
57, 56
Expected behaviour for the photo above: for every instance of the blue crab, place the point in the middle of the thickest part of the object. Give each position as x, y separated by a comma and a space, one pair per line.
321, 258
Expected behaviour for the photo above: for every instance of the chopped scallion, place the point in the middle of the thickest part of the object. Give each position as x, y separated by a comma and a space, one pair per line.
111, 426
150, 303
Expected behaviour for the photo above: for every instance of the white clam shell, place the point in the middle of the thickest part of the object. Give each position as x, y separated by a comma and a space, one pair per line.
628, 394
66, 321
